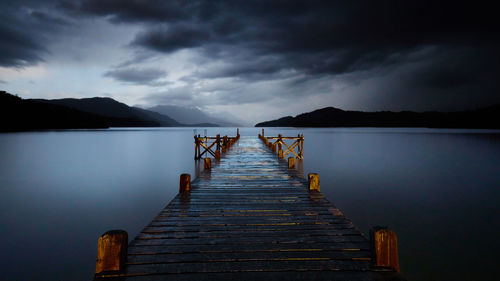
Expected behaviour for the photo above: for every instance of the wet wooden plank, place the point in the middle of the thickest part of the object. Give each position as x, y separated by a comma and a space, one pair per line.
242, 265
267, 275
263, 247
238, 256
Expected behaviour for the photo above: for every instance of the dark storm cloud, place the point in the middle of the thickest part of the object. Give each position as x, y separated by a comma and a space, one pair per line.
297, 41
455, 67
360, 32
144, 76
322, 37
18, 49
25, 29
173, 37
306, 40
132, 10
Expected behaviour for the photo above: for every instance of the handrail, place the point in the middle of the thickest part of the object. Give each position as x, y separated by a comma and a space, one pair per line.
298, 143
206, 143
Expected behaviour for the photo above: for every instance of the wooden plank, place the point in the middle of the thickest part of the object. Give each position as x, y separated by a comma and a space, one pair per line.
268, 275
249, 240
256, 256
251, 265
263, 247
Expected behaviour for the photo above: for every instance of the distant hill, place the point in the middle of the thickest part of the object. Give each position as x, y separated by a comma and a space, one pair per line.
486, 118
17, 114
116, 113
189, 115
38, 114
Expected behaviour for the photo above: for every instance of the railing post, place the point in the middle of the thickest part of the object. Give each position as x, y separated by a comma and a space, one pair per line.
262, 132
301, 146
207, 164
199, 146
384, 243
237, 133
225, 144
217, 151
291, 162
111, 252
313, 182
195, 148
185, 183
280, 149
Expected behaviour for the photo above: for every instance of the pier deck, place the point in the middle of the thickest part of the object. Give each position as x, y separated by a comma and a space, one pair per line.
250, 218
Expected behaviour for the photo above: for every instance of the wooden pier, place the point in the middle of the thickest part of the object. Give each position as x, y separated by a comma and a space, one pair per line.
248, 216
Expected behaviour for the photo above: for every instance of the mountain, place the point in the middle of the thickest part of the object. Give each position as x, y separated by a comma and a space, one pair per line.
37, 114
486, 118
190, 115
17, 114
116, 113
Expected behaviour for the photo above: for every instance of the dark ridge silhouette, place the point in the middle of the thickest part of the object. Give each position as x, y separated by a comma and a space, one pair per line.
118, 114
190, 115
484, 118
121, 115
90, 113
17, 114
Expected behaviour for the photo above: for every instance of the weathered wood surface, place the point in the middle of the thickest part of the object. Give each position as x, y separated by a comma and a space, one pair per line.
251, 218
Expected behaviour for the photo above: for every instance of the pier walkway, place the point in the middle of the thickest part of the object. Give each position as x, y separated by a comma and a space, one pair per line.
250, 218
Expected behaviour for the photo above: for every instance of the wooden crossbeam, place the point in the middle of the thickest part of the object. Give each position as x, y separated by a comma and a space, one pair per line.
291, 149
298, 143
223, 143
207, 149
283, 138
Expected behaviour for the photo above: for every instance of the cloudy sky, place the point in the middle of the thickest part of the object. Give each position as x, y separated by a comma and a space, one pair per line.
257, 60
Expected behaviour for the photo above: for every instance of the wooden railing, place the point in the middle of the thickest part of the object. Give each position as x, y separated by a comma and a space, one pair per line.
213, 145
278, 144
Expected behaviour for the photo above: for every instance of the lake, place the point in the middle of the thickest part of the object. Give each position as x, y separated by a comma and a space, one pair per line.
438, 189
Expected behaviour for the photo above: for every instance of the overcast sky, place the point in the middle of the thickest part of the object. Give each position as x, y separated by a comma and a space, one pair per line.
258, 60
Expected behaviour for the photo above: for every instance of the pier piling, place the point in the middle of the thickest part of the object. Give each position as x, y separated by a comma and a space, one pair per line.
207, 163
185, 183
111, 252
291, 162
384, 244
313, 182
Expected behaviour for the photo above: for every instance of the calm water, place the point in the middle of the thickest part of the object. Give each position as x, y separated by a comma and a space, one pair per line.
438, 189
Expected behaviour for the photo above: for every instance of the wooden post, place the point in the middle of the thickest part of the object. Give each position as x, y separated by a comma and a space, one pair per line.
207, 164
195, 148
262, 132
313, 181
237, 132
384, 243
280, 149
301, 146
224, 144
185, 183
274, 148
217, 151
111, 252
199, 146
291, 162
